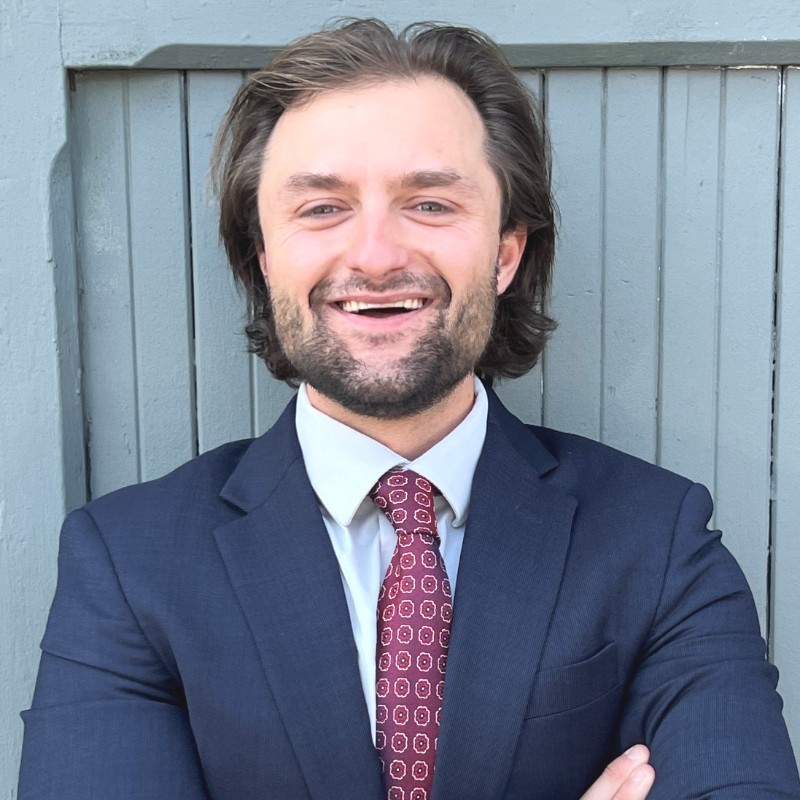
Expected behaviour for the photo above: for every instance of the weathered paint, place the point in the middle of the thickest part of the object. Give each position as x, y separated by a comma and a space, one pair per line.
42, 469
126, 33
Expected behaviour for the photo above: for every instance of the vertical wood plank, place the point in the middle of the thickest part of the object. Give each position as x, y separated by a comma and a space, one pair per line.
690, 303
523, 396
65, 274
572, 363
100, 153
786, 503
160, 264
221, 362
747, 250
632, 254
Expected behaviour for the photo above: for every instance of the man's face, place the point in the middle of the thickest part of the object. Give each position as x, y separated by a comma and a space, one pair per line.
380, 218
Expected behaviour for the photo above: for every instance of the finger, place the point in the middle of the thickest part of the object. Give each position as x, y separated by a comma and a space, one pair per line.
638, 784
617, 773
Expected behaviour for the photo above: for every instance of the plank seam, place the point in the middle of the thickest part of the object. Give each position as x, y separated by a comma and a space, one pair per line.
131, 276
189, 244
543, 105
661, 211
722, 120
603, 248
79, 285
776, 282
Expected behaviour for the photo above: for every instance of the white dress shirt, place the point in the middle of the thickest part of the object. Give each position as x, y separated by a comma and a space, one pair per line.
342, 466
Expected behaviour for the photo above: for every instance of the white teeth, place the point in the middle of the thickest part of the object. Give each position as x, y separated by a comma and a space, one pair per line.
354, 306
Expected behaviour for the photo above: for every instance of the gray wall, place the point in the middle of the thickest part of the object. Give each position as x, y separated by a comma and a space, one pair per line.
678, 283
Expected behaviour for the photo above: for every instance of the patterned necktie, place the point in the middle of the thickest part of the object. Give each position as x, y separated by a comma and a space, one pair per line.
414, 612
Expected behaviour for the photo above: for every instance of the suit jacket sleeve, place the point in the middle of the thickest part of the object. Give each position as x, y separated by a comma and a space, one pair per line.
703, 697
107, 719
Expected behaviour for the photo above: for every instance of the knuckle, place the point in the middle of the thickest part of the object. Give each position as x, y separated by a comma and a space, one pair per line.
616, 772
638, 784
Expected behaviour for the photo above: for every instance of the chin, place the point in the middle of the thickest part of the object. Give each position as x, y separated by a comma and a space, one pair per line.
387, 397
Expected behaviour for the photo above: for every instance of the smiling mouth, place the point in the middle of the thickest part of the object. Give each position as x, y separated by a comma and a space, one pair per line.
381, 309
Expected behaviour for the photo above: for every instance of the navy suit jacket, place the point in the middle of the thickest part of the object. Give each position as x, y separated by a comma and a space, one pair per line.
199, 643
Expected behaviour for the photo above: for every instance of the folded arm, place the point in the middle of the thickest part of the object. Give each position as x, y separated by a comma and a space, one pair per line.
107, 719
703, 698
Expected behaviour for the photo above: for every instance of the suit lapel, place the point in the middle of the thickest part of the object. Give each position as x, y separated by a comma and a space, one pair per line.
283, 569
284, 572
513, 556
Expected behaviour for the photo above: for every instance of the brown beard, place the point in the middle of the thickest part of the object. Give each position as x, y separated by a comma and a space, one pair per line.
445, 354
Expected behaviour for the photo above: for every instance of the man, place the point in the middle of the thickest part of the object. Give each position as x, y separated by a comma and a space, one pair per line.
543, 603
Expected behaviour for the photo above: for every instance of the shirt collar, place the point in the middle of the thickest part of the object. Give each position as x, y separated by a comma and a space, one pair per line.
343, 464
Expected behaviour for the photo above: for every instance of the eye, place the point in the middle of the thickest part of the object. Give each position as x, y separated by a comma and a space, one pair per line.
323, 210
431, 207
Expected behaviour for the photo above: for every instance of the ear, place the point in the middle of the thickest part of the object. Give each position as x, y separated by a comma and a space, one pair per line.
262, 263
509, 254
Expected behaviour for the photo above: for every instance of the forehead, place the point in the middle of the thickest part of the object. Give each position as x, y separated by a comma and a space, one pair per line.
380, 130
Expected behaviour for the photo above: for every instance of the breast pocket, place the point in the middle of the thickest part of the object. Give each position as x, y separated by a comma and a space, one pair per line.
573, 685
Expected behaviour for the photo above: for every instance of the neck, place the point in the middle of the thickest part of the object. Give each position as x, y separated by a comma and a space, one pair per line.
408, 436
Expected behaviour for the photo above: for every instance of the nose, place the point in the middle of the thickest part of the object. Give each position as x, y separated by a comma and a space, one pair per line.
375, 247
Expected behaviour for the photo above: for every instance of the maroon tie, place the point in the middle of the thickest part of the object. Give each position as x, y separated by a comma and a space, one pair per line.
414, 612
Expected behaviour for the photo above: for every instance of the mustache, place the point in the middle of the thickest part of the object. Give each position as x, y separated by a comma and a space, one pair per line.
428, 284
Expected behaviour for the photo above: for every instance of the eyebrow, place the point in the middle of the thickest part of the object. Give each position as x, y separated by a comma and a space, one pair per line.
418, 179
302, 181
432, 179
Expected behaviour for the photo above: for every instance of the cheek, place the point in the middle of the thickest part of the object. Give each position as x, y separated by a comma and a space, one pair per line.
469, 265
294, 264
465, 250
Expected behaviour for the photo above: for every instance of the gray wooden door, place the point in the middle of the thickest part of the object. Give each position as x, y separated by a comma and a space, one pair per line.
677, 289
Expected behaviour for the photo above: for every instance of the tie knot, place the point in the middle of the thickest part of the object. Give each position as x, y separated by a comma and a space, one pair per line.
406, 498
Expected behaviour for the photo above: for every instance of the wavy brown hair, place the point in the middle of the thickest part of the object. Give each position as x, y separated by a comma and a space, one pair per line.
358, 52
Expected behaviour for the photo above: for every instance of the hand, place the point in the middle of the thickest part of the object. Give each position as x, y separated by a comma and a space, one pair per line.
628, 777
